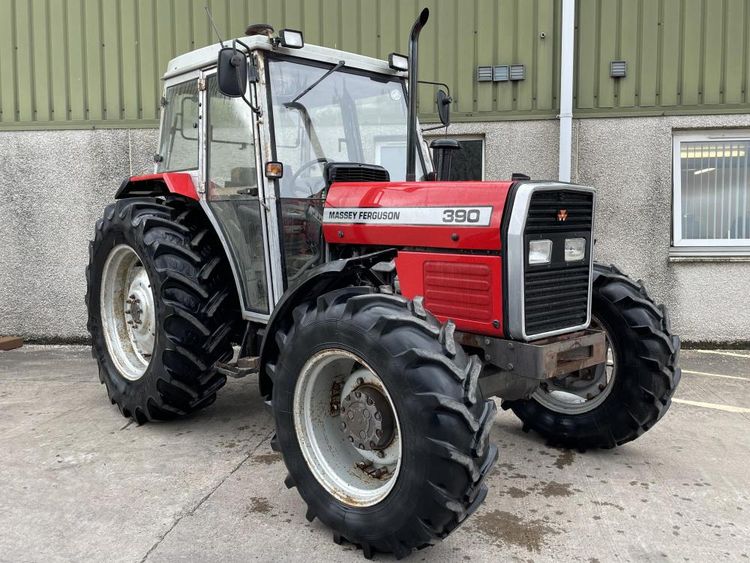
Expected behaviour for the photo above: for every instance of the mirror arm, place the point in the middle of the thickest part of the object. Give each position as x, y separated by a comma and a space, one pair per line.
426, 129
255, 109
443, 84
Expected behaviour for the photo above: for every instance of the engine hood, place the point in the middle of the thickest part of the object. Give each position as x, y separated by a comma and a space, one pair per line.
450, 215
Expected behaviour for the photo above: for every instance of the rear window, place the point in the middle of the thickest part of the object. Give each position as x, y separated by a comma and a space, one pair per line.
178, 147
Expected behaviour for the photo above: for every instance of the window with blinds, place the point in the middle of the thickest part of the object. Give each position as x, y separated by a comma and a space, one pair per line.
711, 189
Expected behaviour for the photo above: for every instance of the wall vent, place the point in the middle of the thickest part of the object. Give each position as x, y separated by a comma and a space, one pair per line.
517, 72
618, 69
501, 73
484, 74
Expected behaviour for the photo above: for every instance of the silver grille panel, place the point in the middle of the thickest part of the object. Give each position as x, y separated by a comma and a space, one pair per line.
556, 298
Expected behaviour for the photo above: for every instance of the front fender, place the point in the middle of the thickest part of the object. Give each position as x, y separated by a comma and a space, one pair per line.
326, 277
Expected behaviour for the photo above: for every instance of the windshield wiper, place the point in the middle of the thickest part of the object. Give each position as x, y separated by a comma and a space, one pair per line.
314, 84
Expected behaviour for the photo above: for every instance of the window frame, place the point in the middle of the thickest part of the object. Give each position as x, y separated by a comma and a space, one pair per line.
706, 247
179, 80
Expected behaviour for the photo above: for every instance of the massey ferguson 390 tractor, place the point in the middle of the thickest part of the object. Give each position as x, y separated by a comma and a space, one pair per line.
295, 228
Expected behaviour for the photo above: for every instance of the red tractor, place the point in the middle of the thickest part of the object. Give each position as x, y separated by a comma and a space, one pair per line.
295, 228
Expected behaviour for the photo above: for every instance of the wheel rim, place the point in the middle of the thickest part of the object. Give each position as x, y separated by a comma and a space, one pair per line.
127, 312
337, 397
582, 391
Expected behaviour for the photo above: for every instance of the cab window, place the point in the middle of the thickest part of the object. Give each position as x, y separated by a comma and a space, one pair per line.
178, 147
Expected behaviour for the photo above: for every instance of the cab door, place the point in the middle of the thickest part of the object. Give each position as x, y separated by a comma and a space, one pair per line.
235, 194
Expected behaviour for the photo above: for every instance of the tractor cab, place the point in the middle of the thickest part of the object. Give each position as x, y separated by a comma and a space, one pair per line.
265, 129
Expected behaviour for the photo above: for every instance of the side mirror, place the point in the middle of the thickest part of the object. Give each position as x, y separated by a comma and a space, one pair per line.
232, 72
444, 107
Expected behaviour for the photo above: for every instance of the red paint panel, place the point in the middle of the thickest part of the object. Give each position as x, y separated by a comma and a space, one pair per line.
464, 288
179, 183
418, 195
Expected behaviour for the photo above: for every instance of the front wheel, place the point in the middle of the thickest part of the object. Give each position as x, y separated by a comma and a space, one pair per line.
615, 402
380, 420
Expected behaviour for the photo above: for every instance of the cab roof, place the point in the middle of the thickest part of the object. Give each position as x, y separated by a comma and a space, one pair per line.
206, 57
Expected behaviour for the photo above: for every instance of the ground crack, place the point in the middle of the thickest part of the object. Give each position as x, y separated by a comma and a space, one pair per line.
197, 505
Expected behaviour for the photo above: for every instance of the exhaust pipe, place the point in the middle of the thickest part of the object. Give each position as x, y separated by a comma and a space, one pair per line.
411, 133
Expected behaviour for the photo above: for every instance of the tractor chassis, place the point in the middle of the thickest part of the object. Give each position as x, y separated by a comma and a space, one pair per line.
514, 370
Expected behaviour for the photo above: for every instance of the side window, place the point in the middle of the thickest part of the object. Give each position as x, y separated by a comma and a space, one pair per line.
468, 163
179, 135
231, 148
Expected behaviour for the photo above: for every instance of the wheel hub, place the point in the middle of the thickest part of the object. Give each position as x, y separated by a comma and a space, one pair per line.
128, 314
367, 420
139, 313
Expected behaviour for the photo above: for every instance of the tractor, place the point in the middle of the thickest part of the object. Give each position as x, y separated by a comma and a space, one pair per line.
296, 229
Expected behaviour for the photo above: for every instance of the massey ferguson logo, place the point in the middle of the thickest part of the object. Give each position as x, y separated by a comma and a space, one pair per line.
562, 214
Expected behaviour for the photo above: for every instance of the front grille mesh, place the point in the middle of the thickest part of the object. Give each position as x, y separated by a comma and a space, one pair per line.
544, 206
557, 296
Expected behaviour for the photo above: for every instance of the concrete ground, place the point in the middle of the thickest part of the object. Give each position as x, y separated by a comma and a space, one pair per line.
79, 482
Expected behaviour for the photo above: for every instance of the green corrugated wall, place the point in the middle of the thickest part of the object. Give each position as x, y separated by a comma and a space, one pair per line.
94, 63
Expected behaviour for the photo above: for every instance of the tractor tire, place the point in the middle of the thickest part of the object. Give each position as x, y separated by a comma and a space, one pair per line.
157, 340
441, 442
644, 374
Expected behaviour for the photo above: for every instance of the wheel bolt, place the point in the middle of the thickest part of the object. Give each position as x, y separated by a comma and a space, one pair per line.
379, 433
378, 416
602, 386
361, 446
357, 395
351, 439
360, 381
372, 445
370, 401
343, 426
380, 453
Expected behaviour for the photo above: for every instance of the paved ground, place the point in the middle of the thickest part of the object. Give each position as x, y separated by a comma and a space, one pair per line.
78, 482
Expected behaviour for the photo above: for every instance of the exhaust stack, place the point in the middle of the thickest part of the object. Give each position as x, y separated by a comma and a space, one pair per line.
411, 134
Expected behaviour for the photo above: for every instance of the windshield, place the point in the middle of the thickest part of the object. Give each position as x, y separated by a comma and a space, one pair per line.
348, 116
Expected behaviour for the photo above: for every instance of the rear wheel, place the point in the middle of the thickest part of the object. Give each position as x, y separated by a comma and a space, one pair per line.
380, 420
161, 307
615, 402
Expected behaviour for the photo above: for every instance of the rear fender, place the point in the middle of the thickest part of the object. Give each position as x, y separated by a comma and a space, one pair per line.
326, 277
178, 183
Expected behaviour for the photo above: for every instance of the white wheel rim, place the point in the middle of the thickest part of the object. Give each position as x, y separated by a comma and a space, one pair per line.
571, 397
341, 467
127, 312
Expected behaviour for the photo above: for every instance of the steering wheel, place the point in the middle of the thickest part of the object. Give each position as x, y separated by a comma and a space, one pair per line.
309, 184
310, 164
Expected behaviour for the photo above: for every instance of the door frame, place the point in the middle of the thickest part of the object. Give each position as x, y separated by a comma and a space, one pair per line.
263, 198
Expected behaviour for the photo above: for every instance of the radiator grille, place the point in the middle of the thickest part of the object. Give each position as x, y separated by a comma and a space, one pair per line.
545, 206
556, 295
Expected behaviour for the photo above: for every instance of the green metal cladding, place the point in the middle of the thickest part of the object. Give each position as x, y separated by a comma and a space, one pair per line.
97, 63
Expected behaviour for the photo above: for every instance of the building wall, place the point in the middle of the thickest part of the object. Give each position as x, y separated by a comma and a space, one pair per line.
97, 63
53, 186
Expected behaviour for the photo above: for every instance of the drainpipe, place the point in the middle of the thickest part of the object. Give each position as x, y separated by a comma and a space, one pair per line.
566, 87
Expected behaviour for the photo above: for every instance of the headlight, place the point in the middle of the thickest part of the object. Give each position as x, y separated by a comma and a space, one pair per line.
540, 251
575, 249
